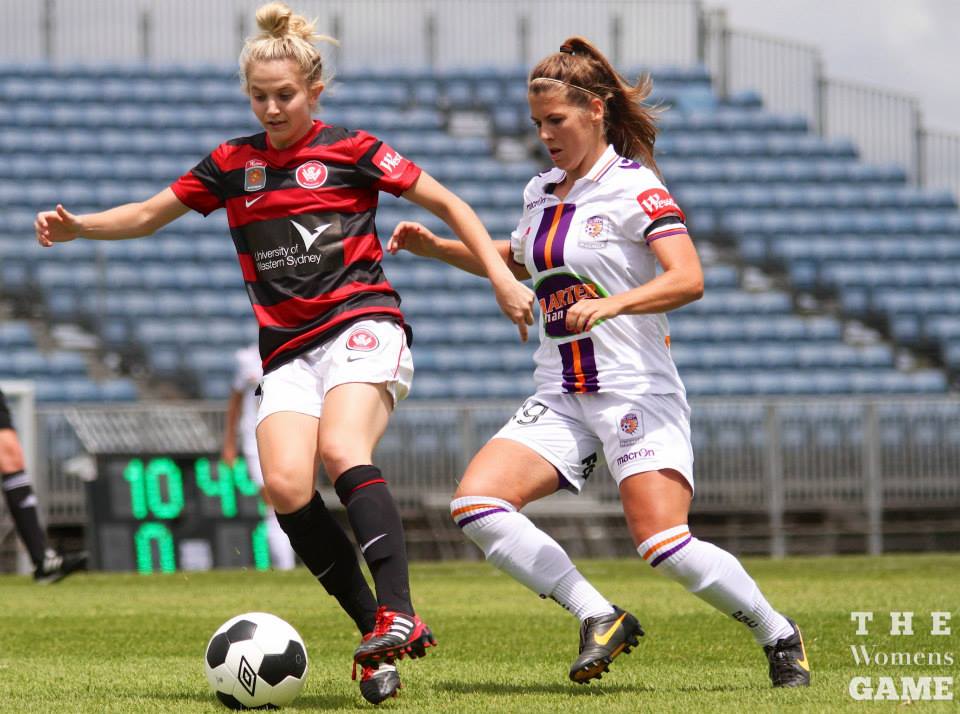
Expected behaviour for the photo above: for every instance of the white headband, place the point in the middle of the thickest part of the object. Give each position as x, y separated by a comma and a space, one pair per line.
566, 84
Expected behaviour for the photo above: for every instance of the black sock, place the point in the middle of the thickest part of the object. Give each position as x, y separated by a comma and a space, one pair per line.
325, 549
376, 524
22, 504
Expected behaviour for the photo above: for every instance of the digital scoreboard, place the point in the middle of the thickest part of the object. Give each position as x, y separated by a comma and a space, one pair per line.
159, 513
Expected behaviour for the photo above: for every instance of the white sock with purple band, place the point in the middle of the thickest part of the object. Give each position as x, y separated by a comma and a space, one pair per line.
512, 543
716, 577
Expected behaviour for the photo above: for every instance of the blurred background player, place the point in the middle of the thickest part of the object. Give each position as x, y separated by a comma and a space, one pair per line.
241, 425
49, 565
593, 230
301, 202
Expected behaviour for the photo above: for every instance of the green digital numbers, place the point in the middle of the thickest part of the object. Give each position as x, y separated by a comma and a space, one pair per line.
226, 483
158, 495
221, 486
148, 535
261, 549
146, 494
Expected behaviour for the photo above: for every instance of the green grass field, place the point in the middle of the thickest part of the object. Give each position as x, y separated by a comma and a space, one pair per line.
127, 643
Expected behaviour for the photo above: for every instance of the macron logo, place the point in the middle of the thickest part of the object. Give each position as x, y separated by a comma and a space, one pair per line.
309, 236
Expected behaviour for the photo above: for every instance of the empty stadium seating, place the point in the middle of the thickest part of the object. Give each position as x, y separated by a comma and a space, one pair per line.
783, 198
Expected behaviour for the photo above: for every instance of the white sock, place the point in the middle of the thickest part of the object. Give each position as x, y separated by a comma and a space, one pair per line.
716, 577
282, 556
578, 596
511, 542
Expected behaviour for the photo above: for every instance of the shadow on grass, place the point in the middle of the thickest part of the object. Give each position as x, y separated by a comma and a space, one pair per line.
500, 687
305, 701
595, 690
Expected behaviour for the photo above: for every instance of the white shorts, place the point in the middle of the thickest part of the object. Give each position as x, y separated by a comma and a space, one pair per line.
372, 351
578, 433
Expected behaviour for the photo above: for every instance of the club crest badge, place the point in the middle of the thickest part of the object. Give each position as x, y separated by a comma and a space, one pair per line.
594, 233
362, 340
631, 428
254, 175
311, 175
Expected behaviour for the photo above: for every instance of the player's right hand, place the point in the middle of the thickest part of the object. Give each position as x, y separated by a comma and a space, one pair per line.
516, 301
414, 237
58, 226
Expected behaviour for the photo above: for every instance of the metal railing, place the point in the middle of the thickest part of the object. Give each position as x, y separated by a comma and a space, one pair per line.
860, 457
453, 34
887, 127
373, 33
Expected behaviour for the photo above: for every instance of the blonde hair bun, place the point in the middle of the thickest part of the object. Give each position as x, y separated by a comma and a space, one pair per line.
277, 20
284, 35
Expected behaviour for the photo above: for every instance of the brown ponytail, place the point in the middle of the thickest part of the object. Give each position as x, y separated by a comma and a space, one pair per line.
628, 125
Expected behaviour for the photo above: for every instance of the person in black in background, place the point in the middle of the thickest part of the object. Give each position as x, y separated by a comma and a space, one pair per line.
49, 565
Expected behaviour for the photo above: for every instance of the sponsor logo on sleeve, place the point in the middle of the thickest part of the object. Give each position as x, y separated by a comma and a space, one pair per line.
254, 175
311, 175
389, 161
657, 203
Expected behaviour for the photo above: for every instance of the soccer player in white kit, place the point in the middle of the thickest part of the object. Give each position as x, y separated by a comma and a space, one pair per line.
241, 421
593, 229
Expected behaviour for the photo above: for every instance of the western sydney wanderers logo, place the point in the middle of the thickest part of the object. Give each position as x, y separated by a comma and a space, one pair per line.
311, 175
254, 175
362, 340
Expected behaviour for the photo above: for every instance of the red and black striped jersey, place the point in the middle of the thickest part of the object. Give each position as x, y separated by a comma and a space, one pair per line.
303, 223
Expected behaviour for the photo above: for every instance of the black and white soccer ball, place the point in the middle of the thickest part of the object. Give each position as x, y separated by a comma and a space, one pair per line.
256, 661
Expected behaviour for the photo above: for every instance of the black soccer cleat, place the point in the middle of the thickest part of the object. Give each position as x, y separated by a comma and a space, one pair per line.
55, 567
788, 660
379, 683
396, 635
603, 639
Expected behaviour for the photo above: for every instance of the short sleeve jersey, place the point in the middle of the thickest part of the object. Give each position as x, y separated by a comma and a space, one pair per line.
595, 243
247, 375
303, 224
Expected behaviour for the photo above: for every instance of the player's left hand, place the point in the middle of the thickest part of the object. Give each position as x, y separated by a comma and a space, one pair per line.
584, 314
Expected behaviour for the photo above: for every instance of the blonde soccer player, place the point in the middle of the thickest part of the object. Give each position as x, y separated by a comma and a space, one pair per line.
301, 199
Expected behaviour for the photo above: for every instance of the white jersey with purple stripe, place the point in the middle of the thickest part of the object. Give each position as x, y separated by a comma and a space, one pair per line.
595, 243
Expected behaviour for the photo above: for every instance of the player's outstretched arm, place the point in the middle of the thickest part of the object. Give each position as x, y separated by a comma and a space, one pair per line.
131, 220
420, 240
514, 298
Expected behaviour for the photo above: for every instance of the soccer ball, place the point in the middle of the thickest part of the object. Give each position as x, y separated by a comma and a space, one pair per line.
256, 660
